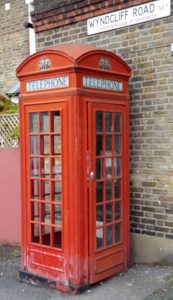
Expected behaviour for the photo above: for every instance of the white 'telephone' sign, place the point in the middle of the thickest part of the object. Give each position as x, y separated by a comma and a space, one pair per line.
101, 83
130, 16
47, 83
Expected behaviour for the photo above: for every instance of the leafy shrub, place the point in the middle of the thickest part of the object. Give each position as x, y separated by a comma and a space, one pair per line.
6, 106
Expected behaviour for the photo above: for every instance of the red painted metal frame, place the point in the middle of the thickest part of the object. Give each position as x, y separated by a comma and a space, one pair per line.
113, 258
74, 266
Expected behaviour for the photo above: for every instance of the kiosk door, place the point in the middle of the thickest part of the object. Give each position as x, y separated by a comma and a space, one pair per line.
45, 192
108, 191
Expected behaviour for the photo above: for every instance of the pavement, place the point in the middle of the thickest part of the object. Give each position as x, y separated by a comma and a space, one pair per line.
139, 282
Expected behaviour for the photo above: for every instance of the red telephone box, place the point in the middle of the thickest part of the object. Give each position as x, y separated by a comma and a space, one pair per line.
74, 119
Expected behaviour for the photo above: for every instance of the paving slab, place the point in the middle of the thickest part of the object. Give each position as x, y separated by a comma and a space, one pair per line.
139, 282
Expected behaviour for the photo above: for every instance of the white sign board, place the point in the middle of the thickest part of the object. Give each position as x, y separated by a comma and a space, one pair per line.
101, 83
47, 83
130, 16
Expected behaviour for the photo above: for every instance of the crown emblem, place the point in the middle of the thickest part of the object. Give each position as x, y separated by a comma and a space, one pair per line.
44, 63
104, 64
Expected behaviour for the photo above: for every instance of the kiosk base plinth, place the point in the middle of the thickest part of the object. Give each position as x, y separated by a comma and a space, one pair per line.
36, 280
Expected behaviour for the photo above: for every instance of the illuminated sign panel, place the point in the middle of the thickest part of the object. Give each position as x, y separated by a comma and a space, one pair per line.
101, 83
47, 83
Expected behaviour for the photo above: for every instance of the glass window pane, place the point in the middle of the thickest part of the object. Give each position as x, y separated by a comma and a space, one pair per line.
56, 190
99, 144
117, 189
45, 145
57, 215
34, 145
99, 192
109, 239
98, 169
117, 144
33, 118
56, 145
99, 121
117, 166
108, 145
46, 213
117, 232
99, 214
57, 237
99, 238
57, 171
56, 122
117, 122
108, 190
45, 190
108, 121
34, 167
117, 210
45, 167
44, 122
35, 189
46, 235
108, 167
35, 233
35, 211
109, 213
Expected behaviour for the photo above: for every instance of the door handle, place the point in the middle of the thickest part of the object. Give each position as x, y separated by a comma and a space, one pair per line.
91, 175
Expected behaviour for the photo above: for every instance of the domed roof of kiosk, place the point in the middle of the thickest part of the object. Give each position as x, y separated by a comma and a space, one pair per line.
75, 54
74, 50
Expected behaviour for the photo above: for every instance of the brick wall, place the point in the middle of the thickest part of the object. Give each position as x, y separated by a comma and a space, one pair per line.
146, 48
49, 15
13, 41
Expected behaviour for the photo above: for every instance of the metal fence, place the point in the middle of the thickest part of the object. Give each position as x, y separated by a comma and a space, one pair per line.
9, 131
